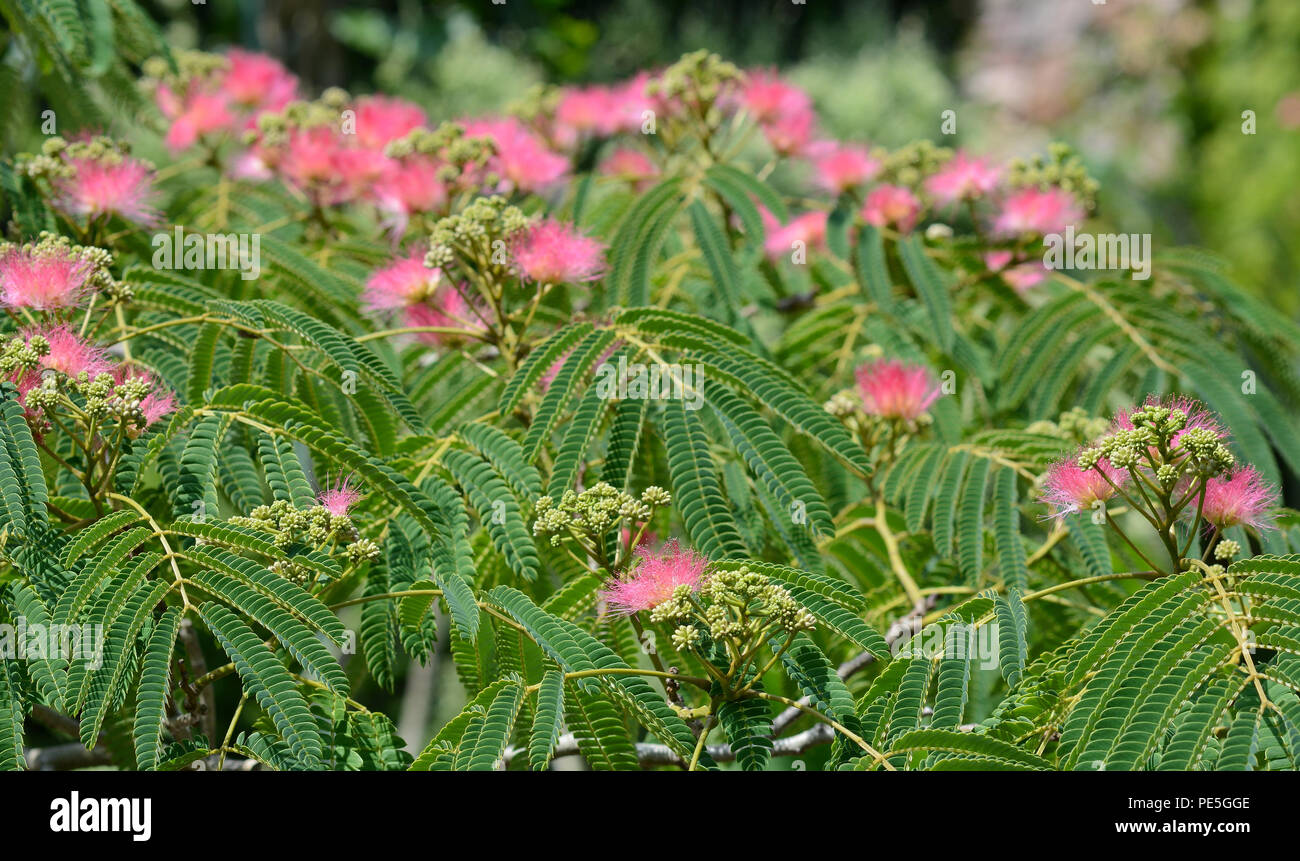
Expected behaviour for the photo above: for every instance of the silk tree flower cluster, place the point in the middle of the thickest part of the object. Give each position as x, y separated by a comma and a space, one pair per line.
721, 613
209, 99
64, 380
588, 519
53, 274
319, 528
890, 402
93, 179
1169, 461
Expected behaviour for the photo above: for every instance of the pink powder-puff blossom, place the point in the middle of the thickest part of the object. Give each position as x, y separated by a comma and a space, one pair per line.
1241, 499
197, 115
1069, 488
338, 497
43, 277
808, 228
113, 185
840, 167
1032, 211
446, 308
382, 120
553, 252
522, 160
401, 284
768, 97
962, 178
159, 402
654, 580
256, 81
1022, 276
587, 111
791, 134
630, 165
891, 206
894, 390
69, 353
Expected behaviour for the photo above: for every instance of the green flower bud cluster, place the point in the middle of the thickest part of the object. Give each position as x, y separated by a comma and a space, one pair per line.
1075, 425
1226, 549
1063, 169
314, 528
455, 151
190, 66
537, 105
273, 129
698, 78
912, 163
740, 609
471, 235
19, 355
595, 511
53, 162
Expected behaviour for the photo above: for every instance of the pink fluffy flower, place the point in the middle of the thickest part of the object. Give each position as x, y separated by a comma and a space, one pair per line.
1022, 276
446, 308
894, 390
553, 252
891, 206
196, 115
840, 167
382, 120
256, 81
401, 284
522, 160
655, 579
1069, 488
587, 111
69, 353
339, 496
43, 278
117, 185
769, 98
808, 228
1241, 499
792, 133
158, 403
962, 178
630, 165
1031, 211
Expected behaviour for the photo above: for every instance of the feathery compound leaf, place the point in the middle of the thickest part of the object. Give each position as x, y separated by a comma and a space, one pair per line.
268, 681
770, 460
498, 510
637, 243
547, 720
153, 690
748, 725
696, 491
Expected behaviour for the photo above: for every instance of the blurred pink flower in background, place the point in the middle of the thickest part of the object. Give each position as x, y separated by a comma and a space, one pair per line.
553, 252
840, 167
808, 228
1032, 211
892, 206
894, 390
962, 178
